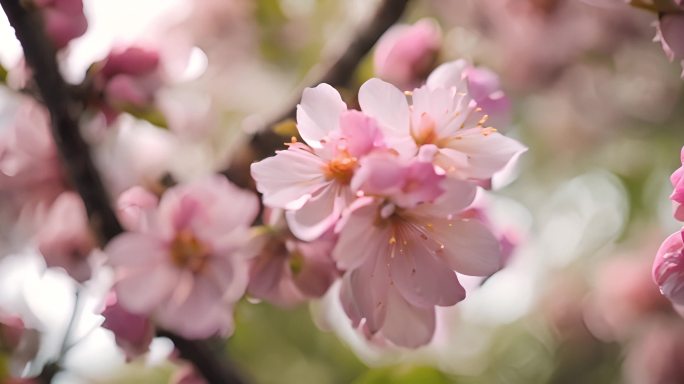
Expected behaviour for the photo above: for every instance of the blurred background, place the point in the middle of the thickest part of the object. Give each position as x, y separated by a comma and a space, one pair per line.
593, 97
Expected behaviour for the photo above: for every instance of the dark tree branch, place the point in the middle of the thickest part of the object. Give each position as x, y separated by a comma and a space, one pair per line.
337, 73
80, 169
202, 356
73, 150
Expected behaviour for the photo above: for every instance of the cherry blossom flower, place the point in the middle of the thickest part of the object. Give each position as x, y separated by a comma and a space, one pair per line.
191, 260
668, 268
311, 180
401, 244
128, 80
134, 206
406, 53
485, 88
286, 271
677, 195
67, 246
64, 20
442, 114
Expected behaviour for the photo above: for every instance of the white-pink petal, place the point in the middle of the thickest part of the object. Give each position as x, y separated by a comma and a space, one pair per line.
288, 179
319, 113
449, 75
320, 213
388, 106
487, 152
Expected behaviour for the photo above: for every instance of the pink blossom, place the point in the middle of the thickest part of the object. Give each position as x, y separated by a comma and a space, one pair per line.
64, 20
657, 356
670, 34
28, 155
406, 53
619, 306
67, 245
400, 252
287, 271
668, 268
311, 180
441, 115
677, 195
189, 268
134, 206
485, 88
133, 332
128, 79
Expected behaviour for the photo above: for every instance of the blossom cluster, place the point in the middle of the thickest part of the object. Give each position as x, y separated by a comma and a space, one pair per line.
392, 181
379, 200
668, 266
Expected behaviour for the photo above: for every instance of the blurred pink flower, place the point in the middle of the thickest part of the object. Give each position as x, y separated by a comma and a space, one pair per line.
190, 267
28, 155
670, 34
287, 271
30, 173
128, 79
405, 54
619, 306
442, 115
67, 246
64, 20
134, 206
668, 268
312, 181
657, 356
133, 333
400, 253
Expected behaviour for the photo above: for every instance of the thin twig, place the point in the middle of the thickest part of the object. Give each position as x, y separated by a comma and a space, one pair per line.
338, 73
79, 166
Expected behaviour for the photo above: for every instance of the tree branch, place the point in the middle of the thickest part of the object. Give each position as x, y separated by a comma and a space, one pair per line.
338, 73
80, 169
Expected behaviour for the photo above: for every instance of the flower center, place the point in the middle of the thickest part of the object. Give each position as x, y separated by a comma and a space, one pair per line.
424, 132
188, 252
341, 168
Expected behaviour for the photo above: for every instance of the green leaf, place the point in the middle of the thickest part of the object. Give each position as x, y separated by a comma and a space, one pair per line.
404, 375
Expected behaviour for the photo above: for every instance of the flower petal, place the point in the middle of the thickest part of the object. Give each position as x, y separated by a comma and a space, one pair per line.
288, 179
487, 152
132, 249
388, 106
407, 325
470, 247
422, 279
360, 239
449, 75
142, 291
369, 284
320, 213
319, 113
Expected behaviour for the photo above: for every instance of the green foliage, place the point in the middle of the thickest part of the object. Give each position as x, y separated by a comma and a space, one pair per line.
291, 347
404, 375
